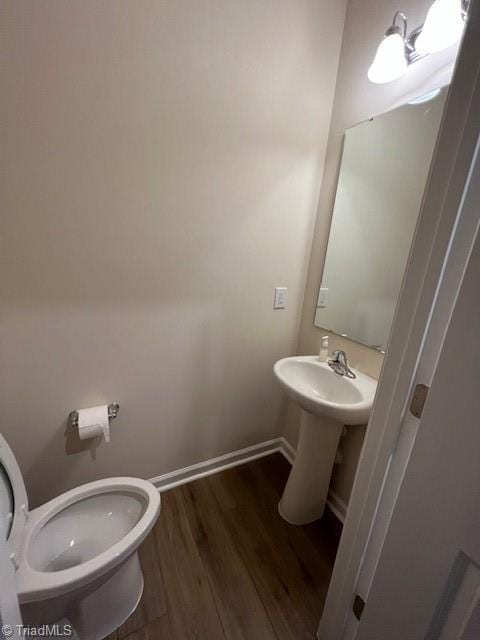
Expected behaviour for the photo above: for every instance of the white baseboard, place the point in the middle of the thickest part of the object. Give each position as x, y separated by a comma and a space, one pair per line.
287, 450
235, 458
337, 505
214, 465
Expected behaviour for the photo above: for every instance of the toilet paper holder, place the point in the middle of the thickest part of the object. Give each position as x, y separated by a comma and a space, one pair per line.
113, 409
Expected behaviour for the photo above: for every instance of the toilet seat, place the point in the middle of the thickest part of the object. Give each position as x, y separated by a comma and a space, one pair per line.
75, 538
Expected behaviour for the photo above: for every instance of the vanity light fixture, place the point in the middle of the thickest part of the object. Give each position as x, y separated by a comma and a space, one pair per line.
443, 27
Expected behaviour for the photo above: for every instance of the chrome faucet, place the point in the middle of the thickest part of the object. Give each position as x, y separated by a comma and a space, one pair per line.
339, 364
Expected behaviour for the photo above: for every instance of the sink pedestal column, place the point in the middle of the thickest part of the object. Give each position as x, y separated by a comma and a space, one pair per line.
305, 493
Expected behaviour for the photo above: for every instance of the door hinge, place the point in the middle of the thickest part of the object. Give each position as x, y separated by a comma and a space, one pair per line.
418, 400
358, 606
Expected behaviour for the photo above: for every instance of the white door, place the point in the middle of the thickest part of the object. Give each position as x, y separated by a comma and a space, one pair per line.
426, 584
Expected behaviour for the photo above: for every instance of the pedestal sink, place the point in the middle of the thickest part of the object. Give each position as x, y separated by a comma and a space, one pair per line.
328, 401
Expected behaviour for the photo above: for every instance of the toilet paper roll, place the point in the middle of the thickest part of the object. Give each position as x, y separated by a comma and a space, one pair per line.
93, 422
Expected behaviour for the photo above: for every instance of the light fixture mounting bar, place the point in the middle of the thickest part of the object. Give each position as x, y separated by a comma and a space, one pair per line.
412, 54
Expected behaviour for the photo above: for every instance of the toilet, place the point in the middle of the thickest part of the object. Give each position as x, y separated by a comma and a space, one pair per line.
76, 556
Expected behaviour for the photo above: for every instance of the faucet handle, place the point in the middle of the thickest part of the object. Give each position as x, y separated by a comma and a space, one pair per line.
339, 355
339, 363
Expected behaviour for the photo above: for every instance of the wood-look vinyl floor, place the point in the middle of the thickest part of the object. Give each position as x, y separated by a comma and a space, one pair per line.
221, 564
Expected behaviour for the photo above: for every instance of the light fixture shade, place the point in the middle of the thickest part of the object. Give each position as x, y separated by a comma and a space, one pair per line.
426, 97
390, 61
443, 27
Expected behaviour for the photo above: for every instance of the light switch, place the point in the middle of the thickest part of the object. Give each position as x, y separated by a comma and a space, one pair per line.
322, 297
280, 300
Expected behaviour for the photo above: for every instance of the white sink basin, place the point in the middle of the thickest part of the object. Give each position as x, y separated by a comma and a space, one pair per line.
328, 402
321, 391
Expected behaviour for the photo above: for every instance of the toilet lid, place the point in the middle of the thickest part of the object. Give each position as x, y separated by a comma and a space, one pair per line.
13, 498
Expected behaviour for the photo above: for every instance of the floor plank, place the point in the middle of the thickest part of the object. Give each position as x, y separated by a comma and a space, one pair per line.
191, 605
221, 564
241, 611
285, 561
158, 629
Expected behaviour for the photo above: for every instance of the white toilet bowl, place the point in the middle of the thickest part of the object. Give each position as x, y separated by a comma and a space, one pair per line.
76, 556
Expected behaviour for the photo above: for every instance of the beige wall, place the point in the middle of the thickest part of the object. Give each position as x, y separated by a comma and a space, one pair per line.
163, 167
357, 99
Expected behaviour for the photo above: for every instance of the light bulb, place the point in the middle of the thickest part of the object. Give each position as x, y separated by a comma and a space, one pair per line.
390, 61
443, 27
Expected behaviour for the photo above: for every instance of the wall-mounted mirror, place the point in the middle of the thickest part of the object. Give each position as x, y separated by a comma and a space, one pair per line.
385, 165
